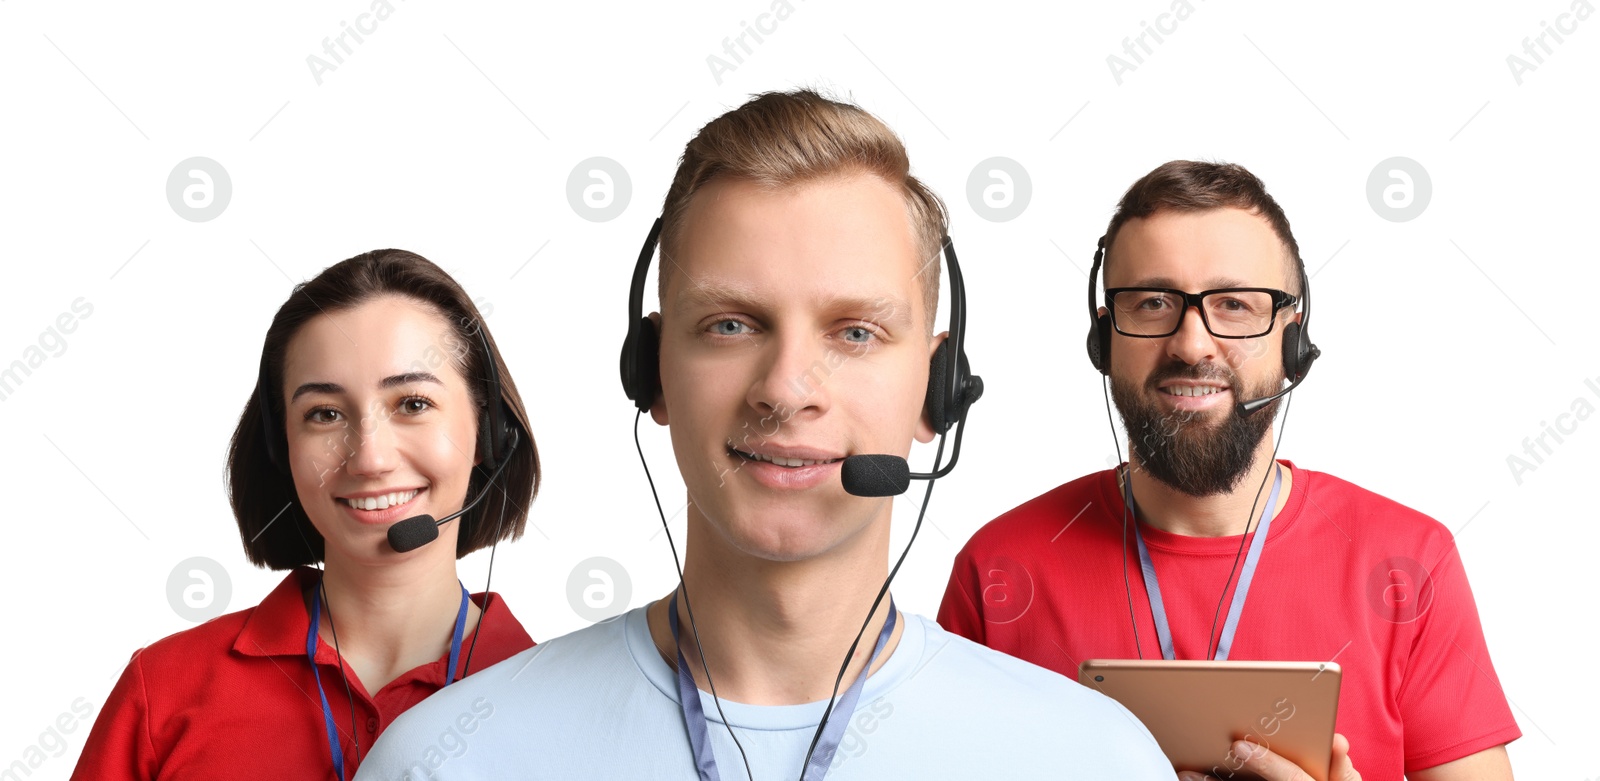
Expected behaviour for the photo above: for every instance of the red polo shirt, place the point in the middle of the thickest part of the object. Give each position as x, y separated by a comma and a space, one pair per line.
234, 697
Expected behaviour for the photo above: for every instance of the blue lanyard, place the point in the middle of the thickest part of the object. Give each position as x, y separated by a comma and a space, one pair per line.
327, 712
1152, 585
694, 715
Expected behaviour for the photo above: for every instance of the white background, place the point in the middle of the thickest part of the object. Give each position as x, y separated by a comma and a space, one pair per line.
452, 129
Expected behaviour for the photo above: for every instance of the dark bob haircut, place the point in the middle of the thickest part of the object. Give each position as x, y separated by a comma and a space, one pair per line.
278, 536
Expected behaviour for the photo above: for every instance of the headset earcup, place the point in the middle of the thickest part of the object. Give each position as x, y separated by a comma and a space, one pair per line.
642, 377
494, 445
493, 442
933, 406
1099, 344
486, 447
1293, 360
495, 419
625, 364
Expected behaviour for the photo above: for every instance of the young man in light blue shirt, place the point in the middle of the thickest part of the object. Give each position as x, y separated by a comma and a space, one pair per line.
799, 283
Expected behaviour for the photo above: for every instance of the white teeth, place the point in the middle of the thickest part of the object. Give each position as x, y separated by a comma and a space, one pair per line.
781, 461
1193, 390
383, 502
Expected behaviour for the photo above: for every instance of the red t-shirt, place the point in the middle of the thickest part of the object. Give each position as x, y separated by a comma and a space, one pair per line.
1345, 576
234, 697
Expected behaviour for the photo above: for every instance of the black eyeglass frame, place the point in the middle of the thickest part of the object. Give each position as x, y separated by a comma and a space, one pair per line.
1280, 300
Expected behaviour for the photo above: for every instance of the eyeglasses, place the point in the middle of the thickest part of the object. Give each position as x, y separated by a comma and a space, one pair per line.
1228, 313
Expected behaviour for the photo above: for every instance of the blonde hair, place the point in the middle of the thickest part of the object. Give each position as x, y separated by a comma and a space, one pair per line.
783, 139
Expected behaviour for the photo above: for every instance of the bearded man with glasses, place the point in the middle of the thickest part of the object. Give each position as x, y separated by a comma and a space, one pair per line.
1205, 316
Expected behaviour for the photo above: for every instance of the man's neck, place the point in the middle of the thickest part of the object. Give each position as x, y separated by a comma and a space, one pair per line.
775, 633
1166, 508
392, 617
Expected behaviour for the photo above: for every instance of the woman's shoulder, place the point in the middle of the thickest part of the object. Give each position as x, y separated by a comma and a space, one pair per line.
187, 646
258, 630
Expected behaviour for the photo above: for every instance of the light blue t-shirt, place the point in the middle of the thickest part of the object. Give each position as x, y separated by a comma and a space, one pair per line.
602, 703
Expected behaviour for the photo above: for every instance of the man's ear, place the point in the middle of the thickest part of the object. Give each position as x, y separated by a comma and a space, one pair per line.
658, 407
925, 431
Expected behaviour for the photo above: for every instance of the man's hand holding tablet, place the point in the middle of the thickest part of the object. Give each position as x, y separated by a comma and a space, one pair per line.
1271, 767
1234, 720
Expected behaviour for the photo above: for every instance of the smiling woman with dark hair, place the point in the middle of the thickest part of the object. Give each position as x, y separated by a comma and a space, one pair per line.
381, 397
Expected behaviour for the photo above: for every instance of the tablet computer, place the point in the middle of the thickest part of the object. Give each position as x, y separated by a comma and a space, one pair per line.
1196, 709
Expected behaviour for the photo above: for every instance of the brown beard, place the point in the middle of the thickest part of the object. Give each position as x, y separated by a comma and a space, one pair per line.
1185, 450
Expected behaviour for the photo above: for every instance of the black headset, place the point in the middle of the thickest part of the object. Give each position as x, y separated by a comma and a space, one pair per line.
952, 388
1298, 351
951, 385
496, 437
1298, 355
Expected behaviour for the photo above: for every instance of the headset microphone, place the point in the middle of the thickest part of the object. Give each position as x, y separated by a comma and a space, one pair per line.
1298, 356
952, 388
875, 475
1298, 353
498, 436
1247, 407
419, 530
879, 474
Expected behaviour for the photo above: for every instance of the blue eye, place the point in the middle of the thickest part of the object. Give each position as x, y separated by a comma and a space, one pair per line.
728, 328
858, 335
